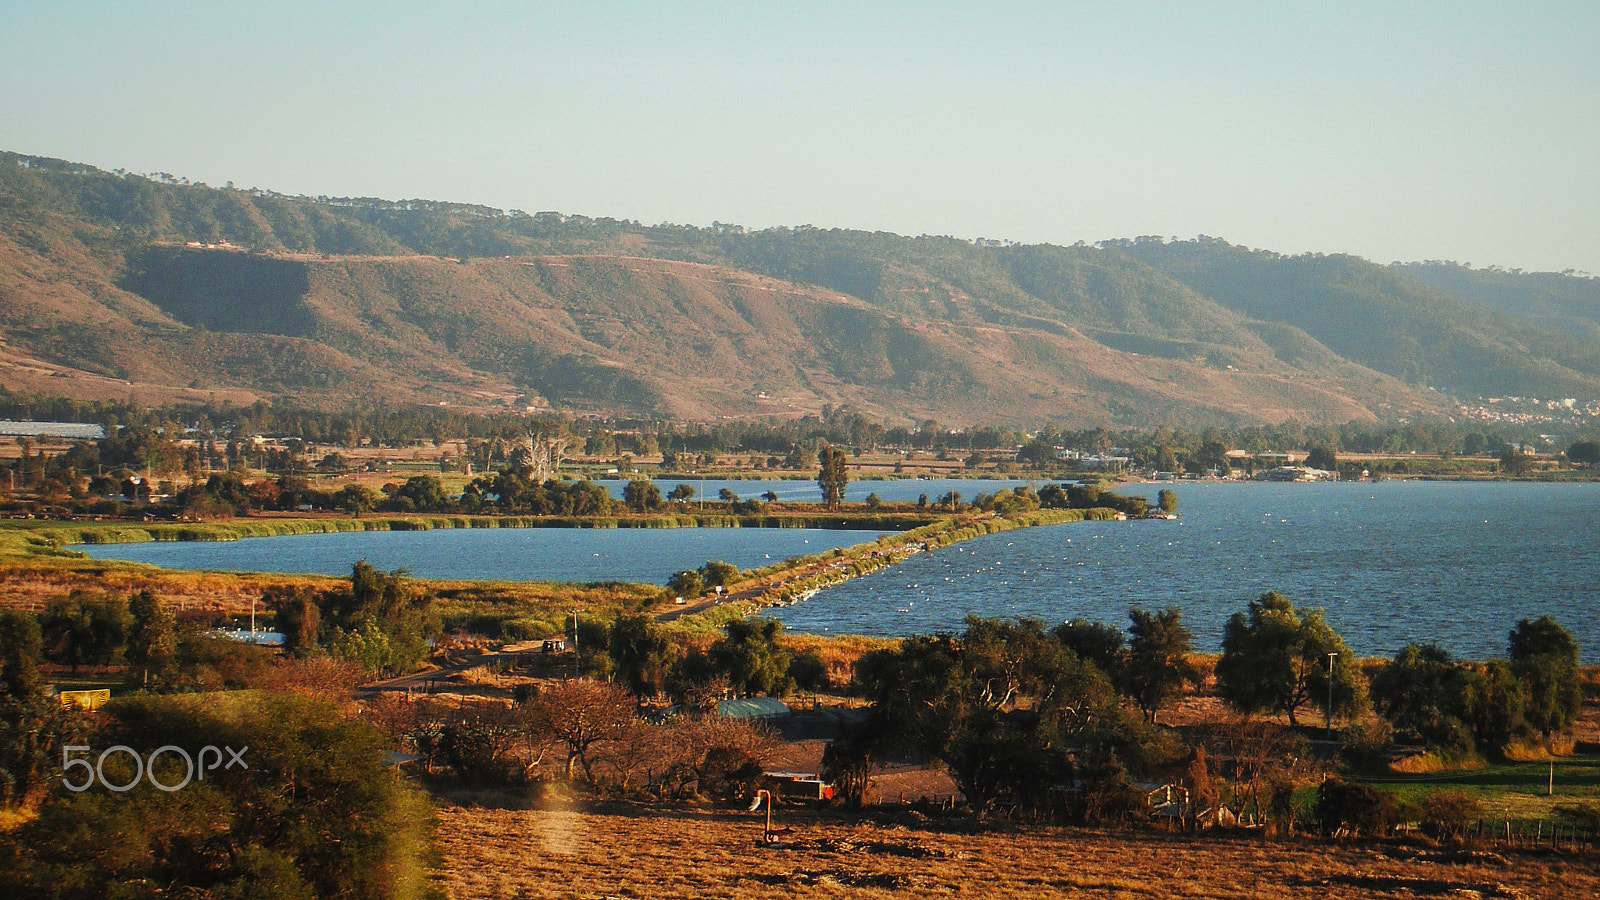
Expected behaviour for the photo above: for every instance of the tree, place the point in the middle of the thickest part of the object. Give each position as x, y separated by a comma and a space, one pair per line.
848, 760
356, 499
1514, 462
33, 727
685, 584
1423, 692
683, 493
1004, 706
313, 811
1584, 452
640, 653
21, 648
1167, 499
152, 637
296, 616
641, 495
1094, 642
84, 629
726, 495
1544, 657
833, 476
1275, 661
1322, 458
580, 714
752, 658
1158, 659
716, 573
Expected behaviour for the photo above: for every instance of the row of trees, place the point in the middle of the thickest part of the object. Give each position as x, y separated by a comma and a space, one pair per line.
1017, 713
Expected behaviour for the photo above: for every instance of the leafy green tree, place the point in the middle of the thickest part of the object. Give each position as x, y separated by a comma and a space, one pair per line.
152, 636
1212, 456
750, 655
685, 584
84, 629
1096, 643
1273, 660
641, 495
809, 671
1004, 706
1584, 452
1167, 499
383, 619
356, 499
1423, 692
21, 648
716, 573
33, 727
683, 493
420, 493
1495, 702
640, 653
849, 759
833, 475
296, 615
1544, 658
1514, 462
726, 495
1158, 659
312, 811
1323, 458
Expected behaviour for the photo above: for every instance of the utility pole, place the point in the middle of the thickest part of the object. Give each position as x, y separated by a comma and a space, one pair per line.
1331, 657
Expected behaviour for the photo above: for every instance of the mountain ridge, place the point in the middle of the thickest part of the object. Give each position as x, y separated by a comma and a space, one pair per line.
181, 289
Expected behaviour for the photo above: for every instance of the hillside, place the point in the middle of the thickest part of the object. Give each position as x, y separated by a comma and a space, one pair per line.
104, 293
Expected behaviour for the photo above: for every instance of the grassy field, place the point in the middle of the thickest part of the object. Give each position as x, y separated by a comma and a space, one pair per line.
1514, 790
557, 849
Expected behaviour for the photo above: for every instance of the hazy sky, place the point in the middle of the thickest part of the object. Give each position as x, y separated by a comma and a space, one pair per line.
1397, 131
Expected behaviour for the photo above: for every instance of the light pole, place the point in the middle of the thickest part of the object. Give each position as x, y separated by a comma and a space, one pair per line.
1331, 657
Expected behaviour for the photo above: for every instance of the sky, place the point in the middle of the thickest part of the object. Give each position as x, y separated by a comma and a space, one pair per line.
1461, 131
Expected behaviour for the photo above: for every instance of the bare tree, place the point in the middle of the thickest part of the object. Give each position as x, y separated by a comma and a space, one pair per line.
581, 714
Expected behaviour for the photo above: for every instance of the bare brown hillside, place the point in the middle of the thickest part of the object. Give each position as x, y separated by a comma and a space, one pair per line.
603, 334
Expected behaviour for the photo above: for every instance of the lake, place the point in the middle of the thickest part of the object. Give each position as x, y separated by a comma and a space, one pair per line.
1456, 563
895, 490
647, 555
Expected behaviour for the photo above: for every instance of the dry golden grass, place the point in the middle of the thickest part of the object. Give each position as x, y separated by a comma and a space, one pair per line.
557, 849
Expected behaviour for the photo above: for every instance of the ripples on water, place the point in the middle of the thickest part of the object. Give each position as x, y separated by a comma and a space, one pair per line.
648, 555
1390, 563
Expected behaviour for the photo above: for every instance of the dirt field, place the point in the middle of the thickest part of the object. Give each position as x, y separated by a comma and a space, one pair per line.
560, 850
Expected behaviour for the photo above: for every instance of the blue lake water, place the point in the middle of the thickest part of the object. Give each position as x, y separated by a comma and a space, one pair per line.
896, 490
511, 554
1456, 563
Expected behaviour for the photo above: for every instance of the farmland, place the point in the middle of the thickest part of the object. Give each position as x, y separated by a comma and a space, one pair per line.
558, 849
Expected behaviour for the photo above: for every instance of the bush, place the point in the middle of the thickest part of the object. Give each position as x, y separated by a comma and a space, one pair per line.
1365, 745
315, 814
1448, 814
1355, 809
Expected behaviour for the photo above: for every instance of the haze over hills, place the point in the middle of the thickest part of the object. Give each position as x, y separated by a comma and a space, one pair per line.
335, 301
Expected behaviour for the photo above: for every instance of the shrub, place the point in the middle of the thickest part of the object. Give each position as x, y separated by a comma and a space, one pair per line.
315, 814
1355, 809
1448, 814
